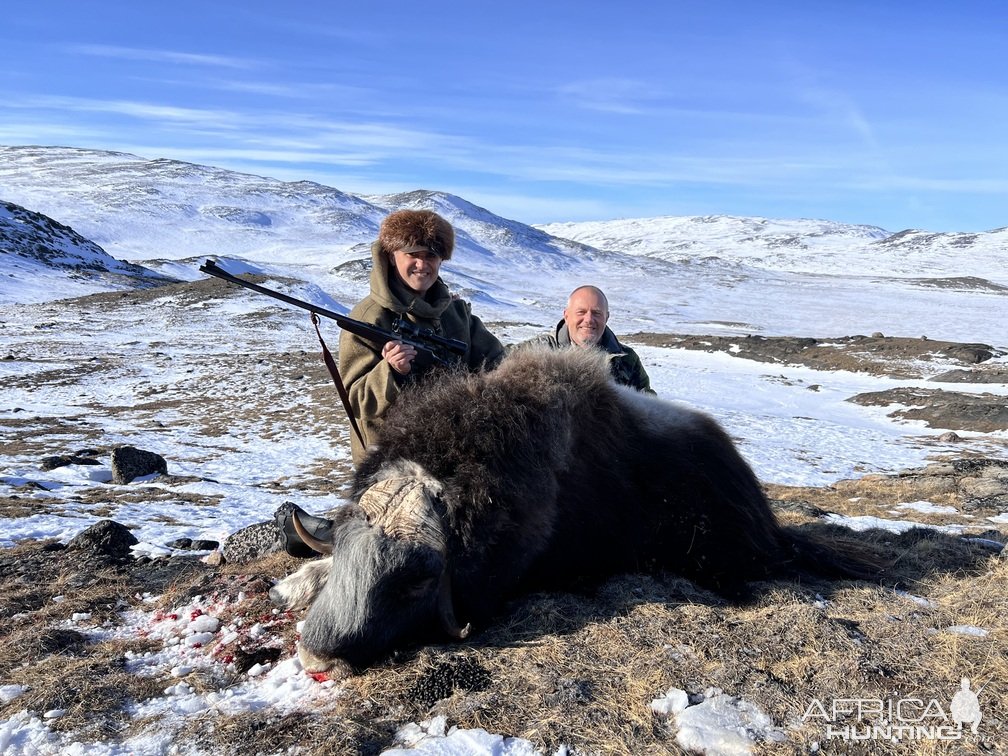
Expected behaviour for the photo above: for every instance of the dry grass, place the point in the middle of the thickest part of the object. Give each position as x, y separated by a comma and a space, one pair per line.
565, 668
580, 670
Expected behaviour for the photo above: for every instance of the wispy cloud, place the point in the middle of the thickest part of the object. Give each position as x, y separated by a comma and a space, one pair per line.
302, 140
209, 117
967, 185
611, 95
165, 56
840, 108
829, 103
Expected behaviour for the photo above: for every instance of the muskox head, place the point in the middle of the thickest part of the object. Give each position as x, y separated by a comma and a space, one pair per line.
387, 580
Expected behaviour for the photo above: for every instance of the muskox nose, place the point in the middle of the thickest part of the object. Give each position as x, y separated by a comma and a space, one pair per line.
335, 669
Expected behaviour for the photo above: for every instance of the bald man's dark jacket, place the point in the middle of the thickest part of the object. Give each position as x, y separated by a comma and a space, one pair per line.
625, 365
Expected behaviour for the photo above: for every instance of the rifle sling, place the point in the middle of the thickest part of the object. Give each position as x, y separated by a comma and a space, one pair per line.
330, 364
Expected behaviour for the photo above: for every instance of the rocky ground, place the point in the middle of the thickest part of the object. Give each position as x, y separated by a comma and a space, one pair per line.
897, 357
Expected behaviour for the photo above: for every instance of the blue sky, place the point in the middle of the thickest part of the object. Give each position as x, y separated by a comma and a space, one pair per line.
886, 113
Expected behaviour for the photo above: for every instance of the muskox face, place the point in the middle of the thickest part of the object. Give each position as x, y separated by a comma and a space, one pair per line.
379, 592
386, 582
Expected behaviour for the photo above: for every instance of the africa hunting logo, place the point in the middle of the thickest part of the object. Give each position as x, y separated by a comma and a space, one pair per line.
901, 719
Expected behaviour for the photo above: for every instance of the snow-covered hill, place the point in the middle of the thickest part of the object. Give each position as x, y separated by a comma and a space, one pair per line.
803, 246
170, 214
35, 250
689, 275
139, 209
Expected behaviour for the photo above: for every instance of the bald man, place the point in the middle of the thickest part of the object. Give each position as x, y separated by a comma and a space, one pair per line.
584, 326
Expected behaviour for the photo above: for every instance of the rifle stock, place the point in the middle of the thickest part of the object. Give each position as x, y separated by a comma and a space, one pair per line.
430, 346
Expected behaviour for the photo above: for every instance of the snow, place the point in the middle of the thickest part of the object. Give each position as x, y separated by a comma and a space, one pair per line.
9, 692
432, 738
718, 723
865, 522
976, 632
919, 600
926, 507
719, 275
807, 246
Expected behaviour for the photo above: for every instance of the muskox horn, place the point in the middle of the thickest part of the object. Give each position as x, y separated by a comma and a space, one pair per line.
446, 611
322, 547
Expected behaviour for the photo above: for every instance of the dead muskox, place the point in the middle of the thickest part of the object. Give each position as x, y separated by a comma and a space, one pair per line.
537, 473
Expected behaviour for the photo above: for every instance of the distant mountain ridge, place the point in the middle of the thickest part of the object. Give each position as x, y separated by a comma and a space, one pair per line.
164, 209
168, 214
807, 246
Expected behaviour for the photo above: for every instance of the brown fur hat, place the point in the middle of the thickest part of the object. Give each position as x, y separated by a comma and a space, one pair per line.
417, 228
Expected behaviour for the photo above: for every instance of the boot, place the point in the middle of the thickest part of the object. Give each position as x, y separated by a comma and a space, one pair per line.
319, 527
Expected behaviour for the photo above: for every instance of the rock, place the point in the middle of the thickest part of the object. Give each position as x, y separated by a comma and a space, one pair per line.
984, 489
972, 354
993, 471
188, 544
988, 375
62, 460
982, 413
129, 463
936, 468
979, 465
251, 543
105, 538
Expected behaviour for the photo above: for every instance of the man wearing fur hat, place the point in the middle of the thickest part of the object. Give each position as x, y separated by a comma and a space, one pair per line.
406, 259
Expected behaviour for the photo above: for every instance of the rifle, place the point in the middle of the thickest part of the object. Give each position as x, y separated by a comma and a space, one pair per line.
431, 348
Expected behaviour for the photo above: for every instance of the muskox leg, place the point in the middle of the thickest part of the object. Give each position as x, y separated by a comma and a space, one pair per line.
300, 589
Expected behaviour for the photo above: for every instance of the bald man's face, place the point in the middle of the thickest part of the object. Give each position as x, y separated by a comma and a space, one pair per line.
586, 315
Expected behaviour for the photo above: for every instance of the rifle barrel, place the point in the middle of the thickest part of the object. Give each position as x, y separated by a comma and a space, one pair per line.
430, 345
213, 269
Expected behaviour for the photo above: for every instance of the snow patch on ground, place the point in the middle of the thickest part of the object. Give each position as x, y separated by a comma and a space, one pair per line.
865, 522
717, 723
926, 507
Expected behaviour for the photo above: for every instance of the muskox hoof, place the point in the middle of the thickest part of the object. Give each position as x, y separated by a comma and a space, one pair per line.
334, 669
318, 527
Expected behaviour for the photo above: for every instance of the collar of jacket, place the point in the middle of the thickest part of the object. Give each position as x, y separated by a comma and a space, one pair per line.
608, 343
394, 295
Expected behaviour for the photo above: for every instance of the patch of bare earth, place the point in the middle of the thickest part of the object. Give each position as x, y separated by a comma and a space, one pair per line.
952, 410
896, 356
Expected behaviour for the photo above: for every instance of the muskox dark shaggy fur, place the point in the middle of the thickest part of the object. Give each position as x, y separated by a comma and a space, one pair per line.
547, 472
552, 472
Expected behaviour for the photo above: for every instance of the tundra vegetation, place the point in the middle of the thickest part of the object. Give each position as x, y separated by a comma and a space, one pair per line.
576, 667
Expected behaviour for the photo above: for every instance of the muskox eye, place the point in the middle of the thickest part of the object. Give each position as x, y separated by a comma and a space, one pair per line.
419, 588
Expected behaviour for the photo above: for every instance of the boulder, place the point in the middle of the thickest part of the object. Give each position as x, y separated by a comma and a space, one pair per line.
251, 543
129, 463
106, 538
989, 491
188, 544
